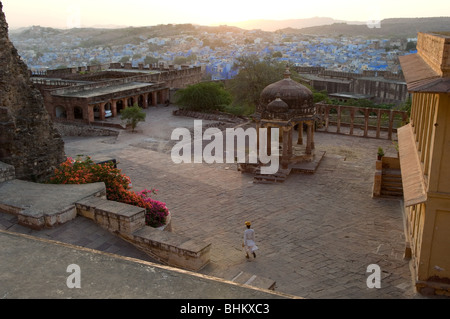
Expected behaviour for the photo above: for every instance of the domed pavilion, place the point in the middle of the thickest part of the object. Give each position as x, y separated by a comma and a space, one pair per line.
284, 105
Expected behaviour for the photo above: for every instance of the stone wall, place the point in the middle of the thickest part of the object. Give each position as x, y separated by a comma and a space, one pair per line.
7, 172
67, 129
435, 50
29, 142
384, 86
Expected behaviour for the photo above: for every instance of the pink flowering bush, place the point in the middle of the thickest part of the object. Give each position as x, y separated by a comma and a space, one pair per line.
79, 171
157, 213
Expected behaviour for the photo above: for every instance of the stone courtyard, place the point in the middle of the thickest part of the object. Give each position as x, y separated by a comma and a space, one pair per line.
316, 234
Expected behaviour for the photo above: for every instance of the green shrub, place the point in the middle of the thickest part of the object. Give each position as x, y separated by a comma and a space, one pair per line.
203, 97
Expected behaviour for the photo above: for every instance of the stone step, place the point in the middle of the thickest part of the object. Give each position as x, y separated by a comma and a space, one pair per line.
398, 184
391, 176
254, 281
278, 177
392, 173
266, 179
392, 191
386, 193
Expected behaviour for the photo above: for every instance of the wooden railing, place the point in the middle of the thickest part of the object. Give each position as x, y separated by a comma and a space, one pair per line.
360, 121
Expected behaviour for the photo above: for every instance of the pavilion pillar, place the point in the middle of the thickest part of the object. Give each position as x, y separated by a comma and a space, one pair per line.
258, 126
125, 103
308, 140
300, 134
290, 149
285, 154
313, 129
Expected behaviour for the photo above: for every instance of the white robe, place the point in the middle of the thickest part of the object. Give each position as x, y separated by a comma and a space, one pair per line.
249, 241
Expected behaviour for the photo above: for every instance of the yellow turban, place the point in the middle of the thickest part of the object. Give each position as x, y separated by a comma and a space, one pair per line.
248, 223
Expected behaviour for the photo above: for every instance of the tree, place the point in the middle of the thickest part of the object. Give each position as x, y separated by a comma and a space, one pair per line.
180, 60
133, 115
411, 46
277, 54
150, 60
254, 75
204, 96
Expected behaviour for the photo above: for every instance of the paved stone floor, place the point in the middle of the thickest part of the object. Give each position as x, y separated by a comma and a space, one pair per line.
316, 234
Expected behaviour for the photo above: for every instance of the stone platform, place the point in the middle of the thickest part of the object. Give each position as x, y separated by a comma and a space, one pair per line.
39, 205
308, 167
303, 167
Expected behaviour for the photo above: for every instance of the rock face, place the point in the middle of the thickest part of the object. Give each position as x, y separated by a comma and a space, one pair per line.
28, 139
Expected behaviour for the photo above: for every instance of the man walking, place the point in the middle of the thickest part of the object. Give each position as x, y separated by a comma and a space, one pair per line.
249, 241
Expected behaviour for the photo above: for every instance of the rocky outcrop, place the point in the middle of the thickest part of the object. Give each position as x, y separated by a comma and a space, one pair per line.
28, 140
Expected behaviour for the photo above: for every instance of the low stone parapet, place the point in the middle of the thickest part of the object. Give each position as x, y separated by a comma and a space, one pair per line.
128, 222
172, 249
114, 216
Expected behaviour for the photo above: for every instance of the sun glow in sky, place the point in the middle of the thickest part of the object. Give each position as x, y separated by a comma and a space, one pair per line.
86, 13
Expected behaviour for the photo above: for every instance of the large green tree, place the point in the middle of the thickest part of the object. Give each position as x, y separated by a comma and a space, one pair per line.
204, 96
254, 75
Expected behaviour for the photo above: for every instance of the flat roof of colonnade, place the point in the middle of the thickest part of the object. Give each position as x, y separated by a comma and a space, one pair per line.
95, 92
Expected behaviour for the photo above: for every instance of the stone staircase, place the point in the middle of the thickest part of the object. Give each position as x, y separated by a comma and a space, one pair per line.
278, 177
391, 183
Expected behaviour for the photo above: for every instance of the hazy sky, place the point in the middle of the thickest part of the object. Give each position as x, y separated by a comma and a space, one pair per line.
76, 13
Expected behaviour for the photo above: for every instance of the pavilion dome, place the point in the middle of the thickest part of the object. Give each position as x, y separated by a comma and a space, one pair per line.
297, 97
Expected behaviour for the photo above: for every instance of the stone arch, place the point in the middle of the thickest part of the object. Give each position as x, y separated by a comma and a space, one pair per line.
159, 97
140, 101
78, 113
96, 110
60, 112
130, 101
150, 99
119, 106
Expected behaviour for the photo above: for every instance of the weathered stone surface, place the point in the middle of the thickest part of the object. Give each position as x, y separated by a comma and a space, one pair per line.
28, 140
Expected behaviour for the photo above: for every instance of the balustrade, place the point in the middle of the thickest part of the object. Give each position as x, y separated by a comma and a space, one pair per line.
372, 122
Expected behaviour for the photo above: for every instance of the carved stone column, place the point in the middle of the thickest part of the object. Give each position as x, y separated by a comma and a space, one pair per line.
308, 139
290, 148
285, 154
300, 134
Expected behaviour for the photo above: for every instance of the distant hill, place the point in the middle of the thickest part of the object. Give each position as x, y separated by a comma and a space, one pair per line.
274, 25
90, 37
399, 27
